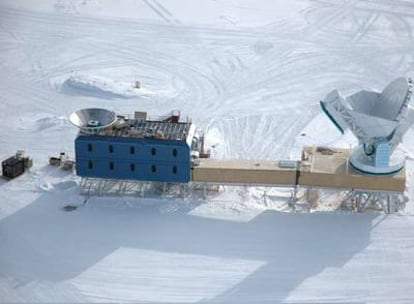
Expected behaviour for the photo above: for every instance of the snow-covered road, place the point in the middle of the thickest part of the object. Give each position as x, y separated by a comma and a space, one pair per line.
251, 74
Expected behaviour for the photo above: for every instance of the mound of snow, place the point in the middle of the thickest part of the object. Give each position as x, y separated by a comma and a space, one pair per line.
49, 122
101, 87
39, 121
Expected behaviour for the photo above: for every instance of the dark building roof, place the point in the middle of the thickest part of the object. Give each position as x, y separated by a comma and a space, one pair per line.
12, 161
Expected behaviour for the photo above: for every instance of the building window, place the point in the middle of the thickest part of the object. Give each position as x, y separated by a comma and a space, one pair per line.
153, 151
175, 152
111, 166
132, 167
174, 169
90, 165
153, 168
111, 149
131, 150
89, 147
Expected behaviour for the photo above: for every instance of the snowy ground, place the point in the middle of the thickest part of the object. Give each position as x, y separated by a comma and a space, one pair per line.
251, 74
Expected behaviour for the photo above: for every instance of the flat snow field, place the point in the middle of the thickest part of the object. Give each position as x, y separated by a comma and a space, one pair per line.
251, 74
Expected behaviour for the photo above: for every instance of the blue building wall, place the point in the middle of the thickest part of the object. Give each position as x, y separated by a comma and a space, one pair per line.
132, 158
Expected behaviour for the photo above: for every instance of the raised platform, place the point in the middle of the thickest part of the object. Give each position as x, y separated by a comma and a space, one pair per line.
330, 167
319, 167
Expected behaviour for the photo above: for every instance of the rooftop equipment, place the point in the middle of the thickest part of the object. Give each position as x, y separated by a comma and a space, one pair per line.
378, 120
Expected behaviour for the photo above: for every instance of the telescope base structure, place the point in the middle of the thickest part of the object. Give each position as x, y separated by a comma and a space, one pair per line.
331, 168
369, 163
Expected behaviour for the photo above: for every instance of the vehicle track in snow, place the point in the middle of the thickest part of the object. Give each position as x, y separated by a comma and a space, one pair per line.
161, 11
222, 81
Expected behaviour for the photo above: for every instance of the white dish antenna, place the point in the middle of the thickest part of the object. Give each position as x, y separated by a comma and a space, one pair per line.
378, 120
93, 119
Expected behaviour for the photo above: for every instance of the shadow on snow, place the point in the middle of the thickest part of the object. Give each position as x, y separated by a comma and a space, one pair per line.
49, 244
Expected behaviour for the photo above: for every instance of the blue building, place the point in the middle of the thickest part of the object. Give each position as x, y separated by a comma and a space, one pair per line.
134, 149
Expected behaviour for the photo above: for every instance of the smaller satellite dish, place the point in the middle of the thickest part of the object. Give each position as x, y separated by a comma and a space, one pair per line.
93, 119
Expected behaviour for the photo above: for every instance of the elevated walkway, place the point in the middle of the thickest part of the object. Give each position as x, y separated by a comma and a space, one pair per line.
319, 167
243, 172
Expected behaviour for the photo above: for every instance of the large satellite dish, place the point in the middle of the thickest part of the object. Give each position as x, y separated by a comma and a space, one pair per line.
92, 120
378, 120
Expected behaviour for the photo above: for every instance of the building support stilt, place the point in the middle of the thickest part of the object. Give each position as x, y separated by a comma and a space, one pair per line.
359, 201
